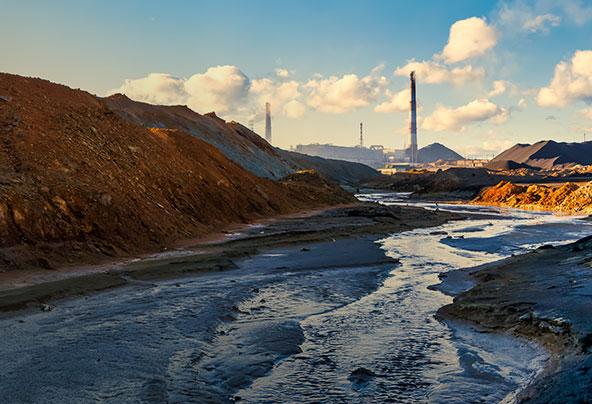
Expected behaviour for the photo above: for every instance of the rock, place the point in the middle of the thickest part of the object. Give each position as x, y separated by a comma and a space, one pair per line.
361, 375
105, 199
438, 233
6, 98
545, 247
22, 135
45, 307
304, 249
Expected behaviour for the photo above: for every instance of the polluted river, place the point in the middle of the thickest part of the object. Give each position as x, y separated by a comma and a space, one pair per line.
277, 330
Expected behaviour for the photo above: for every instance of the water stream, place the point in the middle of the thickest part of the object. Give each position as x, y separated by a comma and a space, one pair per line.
267, 334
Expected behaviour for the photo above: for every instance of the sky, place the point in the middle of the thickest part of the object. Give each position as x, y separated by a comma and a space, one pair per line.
490, 74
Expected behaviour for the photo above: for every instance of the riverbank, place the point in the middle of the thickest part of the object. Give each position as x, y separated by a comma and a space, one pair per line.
330, 225
541, 296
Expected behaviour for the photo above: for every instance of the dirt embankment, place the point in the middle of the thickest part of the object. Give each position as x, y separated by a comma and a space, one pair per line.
568, 198
78, 182
543, 296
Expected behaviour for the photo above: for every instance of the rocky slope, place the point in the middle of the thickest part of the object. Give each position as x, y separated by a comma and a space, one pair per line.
77, 180
569, 198
237, 142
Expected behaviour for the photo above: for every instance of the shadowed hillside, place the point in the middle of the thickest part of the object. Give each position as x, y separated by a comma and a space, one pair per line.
546, 154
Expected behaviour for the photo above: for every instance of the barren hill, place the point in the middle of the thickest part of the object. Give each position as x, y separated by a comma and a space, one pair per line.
76, 178
435, 152
547, 154
237, 142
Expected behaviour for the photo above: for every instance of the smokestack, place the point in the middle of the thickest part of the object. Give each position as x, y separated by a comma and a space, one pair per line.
361, 136
412, 122
268, 122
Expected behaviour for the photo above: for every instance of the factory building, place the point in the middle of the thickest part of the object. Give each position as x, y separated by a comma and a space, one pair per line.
375, 156
372, 156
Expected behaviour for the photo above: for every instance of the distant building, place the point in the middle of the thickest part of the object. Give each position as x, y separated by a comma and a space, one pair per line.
372, 156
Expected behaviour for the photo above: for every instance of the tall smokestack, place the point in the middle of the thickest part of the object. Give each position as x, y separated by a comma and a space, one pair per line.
361, 136
268, 122
412, 122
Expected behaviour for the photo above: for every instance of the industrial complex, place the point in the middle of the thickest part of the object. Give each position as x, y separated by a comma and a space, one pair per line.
388, 160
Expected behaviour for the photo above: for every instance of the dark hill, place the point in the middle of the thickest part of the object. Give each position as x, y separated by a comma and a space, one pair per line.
435, 152
504, 165
548, 154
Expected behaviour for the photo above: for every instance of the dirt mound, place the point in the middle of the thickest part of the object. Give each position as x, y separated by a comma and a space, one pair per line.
436, 151
569, 198
548, 154
77, 179
237, 142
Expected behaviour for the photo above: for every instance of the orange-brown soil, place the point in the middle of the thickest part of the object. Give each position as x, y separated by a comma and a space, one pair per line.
78, 182
568, 198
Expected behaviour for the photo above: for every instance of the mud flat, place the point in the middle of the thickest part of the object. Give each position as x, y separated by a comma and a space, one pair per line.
543, 296
331, 225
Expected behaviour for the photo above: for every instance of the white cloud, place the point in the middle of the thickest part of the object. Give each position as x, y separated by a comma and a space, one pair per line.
447, 118
220, 88
521, 103
572, 82
267, 89
434, 72
585, 113
343, 94
294, 109
282, 72
501, 86
224, 89
399, 102
467, 39
539, 23
156, 88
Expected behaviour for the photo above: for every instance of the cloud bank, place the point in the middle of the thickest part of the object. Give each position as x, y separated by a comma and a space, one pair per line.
456, 119
435, 73
347, 93
572, 82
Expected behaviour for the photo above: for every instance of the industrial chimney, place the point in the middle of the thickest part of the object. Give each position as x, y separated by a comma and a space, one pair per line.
361, 136
412, 122
268, 122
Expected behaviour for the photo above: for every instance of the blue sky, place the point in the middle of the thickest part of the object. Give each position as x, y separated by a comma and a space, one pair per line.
490, 73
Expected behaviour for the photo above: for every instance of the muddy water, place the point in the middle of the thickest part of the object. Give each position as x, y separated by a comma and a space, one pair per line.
334, 324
